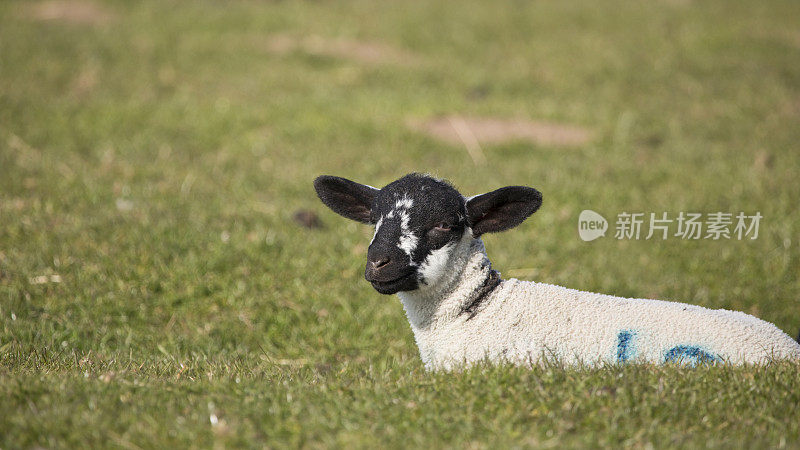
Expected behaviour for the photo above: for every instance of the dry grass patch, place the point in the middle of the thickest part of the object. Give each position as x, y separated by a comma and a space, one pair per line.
470, 131
359, 51
792, 38
86, 80
70, 11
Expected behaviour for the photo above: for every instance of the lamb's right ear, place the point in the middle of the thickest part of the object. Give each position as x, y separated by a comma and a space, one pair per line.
346, 198
502, 209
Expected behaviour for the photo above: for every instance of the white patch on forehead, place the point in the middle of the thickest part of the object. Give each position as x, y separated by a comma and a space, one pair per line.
400, 206
404, 218
404, 202
377, 227
408, 241
435, 264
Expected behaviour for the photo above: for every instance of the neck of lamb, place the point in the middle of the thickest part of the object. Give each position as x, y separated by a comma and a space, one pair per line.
455, 298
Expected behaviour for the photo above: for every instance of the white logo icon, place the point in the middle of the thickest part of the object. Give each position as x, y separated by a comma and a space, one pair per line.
591, 225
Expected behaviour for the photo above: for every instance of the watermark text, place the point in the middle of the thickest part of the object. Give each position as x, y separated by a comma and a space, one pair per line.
684, 225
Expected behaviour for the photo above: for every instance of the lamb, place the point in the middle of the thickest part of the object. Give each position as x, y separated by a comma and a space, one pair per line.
427, 250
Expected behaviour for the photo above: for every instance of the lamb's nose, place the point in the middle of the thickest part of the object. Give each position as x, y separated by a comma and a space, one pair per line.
377, 264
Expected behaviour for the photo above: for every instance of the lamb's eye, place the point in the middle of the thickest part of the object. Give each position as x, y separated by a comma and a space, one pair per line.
443, 227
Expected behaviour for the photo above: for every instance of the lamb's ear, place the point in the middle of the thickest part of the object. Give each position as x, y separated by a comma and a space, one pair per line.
502, 209
345, 197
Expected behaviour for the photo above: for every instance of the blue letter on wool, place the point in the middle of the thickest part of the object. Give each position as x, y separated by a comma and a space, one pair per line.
689, 354
625, 350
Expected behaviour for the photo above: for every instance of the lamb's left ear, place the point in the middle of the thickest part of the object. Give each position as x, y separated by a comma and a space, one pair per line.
502, 209
346, 198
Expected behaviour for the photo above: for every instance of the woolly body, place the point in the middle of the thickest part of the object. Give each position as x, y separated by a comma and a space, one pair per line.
521, 322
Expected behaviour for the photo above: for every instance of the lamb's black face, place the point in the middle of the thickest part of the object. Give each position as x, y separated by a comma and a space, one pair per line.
419, 221
415, 218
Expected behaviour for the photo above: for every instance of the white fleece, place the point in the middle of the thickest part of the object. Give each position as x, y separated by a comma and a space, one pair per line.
521, 322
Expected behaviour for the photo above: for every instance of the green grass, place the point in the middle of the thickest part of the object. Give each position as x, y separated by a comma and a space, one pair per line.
129, 150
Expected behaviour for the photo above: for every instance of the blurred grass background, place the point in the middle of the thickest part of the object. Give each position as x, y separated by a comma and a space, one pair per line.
155, 289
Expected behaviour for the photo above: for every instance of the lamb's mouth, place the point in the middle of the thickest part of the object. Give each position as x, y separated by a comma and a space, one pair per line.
407, 282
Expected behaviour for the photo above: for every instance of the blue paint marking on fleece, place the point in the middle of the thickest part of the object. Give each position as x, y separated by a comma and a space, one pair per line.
690, 354
625, 350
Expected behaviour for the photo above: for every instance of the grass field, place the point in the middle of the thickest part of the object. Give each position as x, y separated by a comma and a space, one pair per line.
155, 290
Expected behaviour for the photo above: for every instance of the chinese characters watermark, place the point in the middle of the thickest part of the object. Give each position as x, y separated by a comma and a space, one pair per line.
686, 225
